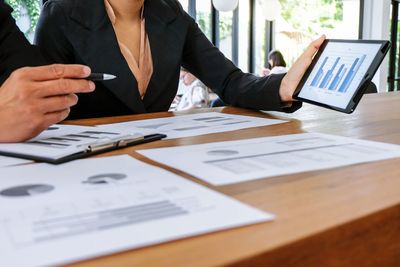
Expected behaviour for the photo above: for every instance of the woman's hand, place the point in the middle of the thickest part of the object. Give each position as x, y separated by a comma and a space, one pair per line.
296, 72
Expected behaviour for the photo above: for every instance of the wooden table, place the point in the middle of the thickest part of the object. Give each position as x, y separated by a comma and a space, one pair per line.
339, 217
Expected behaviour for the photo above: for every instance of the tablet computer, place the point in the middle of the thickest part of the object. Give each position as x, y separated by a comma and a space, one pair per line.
340, 73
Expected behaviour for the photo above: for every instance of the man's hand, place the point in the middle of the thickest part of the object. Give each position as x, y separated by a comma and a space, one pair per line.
296, 72
34, 98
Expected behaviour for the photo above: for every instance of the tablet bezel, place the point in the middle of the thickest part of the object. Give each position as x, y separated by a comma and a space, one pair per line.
359, 92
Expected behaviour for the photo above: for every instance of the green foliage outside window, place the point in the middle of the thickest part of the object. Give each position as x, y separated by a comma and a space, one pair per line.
225, 25
321, 14
33, 8
204, 21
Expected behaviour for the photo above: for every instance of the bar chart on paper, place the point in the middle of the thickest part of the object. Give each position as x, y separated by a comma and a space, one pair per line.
336, 73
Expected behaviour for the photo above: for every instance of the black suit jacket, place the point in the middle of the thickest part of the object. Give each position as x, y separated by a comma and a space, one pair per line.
76, 31
15, 50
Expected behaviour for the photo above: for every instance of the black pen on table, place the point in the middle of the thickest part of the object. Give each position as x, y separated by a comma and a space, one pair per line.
100, 77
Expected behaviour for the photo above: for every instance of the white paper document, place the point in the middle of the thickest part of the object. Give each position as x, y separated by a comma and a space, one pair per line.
60, 141
192, 125
8, 161
238, 161
51, 215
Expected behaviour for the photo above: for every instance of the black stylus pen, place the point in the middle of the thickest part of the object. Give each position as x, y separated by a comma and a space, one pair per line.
100, 77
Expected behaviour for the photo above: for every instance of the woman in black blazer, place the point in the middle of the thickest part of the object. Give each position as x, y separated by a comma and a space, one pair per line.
76, 31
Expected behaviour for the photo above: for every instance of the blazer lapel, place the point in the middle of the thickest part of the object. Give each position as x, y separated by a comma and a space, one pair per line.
94, 39
166, 59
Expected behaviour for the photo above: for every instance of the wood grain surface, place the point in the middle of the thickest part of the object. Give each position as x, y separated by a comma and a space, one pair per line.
346, 216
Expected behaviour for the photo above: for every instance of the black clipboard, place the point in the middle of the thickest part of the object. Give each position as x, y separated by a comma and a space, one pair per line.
339, 81
91, 150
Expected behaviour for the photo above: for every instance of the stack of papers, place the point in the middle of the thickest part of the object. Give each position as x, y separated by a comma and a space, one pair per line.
61, 143
51, 215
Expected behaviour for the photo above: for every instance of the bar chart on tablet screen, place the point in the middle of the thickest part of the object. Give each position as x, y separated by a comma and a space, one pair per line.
336, 73
339, 72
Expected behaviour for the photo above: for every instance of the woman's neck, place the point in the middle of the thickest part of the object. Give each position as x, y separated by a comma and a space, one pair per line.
127, 10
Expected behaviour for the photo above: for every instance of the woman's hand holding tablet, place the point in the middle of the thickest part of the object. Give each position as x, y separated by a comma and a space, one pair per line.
340, 72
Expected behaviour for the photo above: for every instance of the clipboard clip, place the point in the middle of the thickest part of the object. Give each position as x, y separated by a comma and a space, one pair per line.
121, 141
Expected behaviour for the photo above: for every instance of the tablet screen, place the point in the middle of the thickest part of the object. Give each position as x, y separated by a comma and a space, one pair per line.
338, 73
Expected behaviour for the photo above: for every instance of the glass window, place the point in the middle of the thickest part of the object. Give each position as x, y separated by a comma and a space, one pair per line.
302, 21
185, 4
259, 39
244, 34
203, 17
394, 63
225, 33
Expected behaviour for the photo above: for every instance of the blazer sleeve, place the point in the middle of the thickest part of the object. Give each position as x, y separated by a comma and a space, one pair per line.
50, 36
233, 86
15, 50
